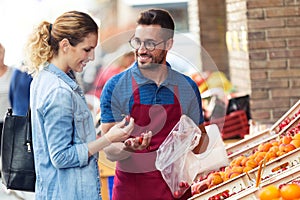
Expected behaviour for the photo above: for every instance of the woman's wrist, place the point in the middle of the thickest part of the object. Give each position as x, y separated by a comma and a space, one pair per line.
106, 139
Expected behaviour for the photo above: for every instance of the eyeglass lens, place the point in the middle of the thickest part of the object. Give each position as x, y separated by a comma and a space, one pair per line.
148, 44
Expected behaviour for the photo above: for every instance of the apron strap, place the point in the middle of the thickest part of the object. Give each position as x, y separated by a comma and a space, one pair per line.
135, 89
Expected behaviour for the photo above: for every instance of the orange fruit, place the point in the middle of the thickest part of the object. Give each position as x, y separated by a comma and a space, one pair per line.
289, 147
251, 163
286, 139
243, 162
233, 174
237, 169
215, 178
259, 157
260, 147
274, 148
296, 136
280, 153
270, 155
247, 169
274, 142
237, 161
290, 191
269, 192
295, 142
264, 147
282, 147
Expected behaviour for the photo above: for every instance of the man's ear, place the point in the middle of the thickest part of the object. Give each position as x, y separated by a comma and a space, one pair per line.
169, 44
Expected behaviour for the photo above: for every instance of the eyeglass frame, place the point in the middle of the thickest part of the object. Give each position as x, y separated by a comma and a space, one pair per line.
155, 44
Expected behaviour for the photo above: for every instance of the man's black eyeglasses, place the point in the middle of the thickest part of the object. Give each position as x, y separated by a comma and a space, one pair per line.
150, 45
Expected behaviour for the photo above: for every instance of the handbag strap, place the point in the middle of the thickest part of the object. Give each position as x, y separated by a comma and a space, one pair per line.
29, 131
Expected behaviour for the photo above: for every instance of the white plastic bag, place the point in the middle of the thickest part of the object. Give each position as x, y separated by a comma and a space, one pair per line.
213, 158
179, 166
172, 154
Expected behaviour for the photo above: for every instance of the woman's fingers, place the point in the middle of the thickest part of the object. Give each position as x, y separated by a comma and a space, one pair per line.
130, 126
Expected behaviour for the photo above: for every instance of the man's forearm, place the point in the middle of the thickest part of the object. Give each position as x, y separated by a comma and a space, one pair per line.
203, 142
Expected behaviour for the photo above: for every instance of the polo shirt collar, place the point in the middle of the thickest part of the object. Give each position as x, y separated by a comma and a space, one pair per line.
141, 80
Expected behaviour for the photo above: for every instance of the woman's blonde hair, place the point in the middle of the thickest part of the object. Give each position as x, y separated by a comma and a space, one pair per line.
43, 43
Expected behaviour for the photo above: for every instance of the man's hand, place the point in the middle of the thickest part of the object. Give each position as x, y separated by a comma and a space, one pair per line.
138, 143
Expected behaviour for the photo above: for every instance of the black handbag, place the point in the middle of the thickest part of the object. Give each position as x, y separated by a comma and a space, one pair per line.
18, 172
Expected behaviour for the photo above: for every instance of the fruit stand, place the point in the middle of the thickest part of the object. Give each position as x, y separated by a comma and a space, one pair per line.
277, 128
271, 157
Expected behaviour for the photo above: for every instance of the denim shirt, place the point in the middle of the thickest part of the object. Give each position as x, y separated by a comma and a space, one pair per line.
62, 126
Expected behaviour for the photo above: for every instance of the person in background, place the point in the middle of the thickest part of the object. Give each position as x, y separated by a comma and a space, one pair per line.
105, 73
19, 91
5, 77
63, 133
156, 96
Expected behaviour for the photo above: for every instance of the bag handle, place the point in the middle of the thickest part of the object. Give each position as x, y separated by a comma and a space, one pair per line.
28, 132
195, 141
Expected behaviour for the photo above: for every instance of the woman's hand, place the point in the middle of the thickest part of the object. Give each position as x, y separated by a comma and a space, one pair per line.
120, 131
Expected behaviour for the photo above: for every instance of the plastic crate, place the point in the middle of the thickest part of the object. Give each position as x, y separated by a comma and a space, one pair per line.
232, 125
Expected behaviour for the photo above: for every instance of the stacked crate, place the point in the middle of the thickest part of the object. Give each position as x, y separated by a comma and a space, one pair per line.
280, 170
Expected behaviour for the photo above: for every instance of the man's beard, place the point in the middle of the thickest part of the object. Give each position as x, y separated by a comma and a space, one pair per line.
156, 62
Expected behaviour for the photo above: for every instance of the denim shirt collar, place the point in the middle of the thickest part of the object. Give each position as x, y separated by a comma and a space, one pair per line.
141, 80
63, 76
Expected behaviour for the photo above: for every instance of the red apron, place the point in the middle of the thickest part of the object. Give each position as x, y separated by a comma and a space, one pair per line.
136, 177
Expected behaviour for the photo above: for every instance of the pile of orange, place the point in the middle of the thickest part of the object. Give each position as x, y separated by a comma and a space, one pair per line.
265, 151
296, 140
286, 192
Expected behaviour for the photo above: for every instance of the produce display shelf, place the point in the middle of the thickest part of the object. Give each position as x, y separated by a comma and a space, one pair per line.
282, 178
252, 146
285, 176
281, 169
233, 185
292, 112
246, 142
277, 128
279, 164
290, 161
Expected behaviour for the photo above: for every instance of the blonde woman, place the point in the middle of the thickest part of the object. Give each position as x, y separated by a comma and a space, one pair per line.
64, 138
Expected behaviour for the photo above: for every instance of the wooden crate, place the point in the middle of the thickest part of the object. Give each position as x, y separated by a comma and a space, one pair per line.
255, 143
244, 186
257, 138
247, 142
282, 178
289, 159
289, 115
232, 185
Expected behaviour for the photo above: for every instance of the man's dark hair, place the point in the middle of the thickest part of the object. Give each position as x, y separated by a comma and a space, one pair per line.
158, 17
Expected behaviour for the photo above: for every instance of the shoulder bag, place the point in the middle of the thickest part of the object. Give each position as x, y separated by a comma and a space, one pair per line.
18, 172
